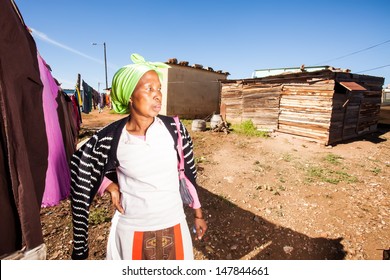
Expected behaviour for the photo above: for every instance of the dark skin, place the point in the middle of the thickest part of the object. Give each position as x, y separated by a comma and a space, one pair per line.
145, 104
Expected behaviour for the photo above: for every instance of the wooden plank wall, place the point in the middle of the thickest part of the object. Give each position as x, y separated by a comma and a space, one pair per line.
361, 109
231, 97
371, 104
260, 103
254, 101
306, 108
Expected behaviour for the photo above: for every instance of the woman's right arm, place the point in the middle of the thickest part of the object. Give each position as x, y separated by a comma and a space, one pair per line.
113, 190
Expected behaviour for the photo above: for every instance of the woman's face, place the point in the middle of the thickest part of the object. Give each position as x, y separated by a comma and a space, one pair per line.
146, 98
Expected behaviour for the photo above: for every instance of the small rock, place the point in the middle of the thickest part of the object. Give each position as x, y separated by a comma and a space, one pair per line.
229, 179
209, 249
55, 255
288, 249
100, 238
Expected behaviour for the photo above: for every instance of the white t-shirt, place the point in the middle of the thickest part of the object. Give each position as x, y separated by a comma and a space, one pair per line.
148, 179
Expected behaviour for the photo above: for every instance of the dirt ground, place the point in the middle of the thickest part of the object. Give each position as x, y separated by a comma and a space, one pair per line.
273, 198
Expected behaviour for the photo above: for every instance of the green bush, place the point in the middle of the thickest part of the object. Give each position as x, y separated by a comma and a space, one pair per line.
99, 216
330, 176
247, 128
333, 159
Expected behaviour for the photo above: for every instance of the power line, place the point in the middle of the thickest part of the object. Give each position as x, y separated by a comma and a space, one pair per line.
374, 68
340, 57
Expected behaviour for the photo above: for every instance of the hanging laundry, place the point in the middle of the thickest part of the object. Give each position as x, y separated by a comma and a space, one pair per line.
77, 110
67, 118
57, 185
87, 100
23, 140
95, 99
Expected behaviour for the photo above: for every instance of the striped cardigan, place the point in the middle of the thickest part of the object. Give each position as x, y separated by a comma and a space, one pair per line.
96, 159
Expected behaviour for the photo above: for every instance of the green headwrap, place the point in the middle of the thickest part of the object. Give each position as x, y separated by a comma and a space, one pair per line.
126, 79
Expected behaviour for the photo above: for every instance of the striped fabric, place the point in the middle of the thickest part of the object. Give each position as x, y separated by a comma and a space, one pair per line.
96, 159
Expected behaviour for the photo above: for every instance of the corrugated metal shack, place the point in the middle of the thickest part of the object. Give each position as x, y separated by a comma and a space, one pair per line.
327, 105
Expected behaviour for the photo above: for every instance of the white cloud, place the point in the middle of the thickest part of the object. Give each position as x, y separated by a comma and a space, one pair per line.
45, 38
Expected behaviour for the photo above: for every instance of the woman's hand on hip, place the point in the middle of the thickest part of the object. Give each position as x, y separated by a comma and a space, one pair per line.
115, 193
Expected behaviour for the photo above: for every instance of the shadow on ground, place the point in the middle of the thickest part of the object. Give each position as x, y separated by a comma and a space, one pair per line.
236, 234
375, 137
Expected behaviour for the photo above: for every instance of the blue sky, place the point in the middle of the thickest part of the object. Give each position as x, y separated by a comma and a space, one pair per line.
234, 36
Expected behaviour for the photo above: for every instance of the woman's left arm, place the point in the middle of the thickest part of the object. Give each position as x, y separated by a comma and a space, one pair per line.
190, 171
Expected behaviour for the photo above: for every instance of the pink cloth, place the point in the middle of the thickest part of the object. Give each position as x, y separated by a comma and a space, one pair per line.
57, 184
104, 185
196, 203
142, 137
191, 188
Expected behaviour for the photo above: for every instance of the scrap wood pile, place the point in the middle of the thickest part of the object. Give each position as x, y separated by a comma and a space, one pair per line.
222, 126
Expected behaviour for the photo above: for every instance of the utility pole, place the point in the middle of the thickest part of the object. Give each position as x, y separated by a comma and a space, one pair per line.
105, 60
105, 63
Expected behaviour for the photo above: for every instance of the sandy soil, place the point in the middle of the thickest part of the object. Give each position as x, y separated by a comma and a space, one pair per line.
277, 198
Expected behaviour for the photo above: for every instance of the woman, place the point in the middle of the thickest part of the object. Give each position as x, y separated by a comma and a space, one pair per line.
137, 160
